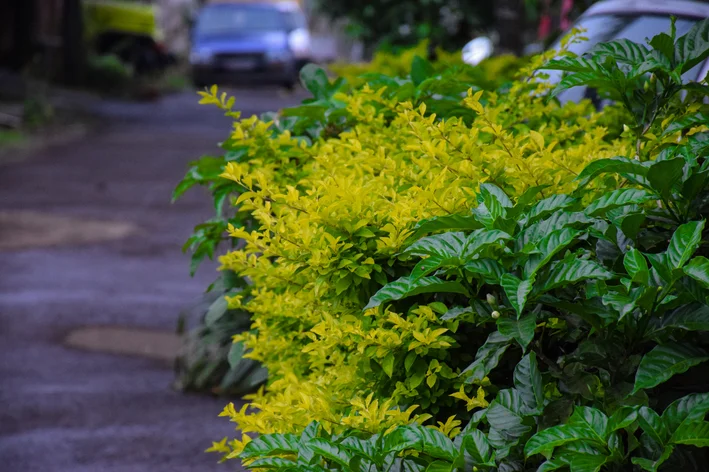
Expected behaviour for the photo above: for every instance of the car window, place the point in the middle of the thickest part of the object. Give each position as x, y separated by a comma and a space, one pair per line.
295, 20
229, 19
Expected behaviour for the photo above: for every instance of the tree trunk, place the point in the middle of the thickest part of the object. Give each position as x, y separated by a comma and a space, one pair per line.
509, 16
73, 48
23, 33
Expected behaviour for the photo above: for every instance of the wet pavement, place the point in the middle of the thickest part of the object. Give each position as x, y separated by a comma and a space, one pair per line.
66, 410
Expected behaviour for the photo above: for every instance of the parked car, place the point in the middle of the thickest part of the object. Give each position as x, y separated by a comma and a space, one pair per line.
248, 40
617, 19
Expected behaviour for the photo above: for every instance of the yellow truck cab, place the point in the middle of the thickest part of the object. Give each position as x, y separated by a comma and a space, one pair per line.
129, 29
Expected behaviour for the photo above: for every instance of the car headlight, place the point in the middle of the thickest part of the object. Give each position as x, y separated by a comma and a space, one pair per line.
201, 56
299, 42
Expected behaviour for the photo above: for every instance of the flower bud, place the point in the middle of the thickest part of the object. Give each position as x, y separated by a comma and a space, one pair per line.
495, 314
491, 299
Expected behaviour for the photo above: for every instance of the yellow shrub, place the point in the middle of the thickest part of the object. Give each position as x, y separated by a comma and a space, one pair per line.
331, 222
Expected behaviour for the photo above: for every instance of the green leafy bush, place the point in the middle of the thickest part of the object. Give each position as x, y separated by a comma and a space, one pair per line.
507, 264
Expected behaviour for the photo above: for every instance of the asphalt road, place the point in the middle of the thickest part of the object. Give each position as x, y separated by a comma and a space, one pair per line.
63, 410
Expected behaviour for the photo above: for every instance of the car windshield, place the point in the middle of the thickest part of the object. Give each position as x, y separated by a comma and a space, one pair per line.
230, 19
637, 28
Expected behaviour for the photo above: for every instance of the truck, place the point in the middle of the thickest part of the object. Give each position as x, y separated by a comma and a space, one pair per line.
128, 29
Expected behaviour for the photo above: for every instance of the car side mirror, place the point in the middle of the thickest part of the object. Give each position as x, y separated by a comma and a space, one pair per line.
477, 50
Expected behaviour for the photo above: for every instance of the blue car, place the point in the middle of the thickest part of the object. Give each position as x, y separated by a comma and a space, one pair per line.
253, 42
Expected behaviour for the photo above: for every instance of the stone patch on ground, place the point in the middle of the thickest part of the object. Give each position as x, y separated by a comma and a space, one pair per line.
25, 230
159, 345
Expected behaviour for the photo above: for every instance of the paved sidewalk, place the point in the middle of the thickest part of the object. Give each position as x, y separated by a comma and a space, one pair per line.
68, 410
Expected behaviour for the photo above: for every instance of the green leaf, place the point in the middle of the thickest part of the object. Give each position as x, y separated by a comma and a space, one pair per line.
616, 199
439, 466
692, 407
664, 175
637, 267
445, 223
481, 239
587, 462
547, 206
545, 441
455, 312
490, 269
331, 451
652, 424
540, 230
487, 357
450, 244
694, 185
690, 317
427, 440
653, 465
548, 247
620, 302
236, 353
529, 196
693, 47
184, 185
456, 245
631, 224
692, 434
664, 44
506, 414
522, 330
622, 418
621, 50
684, 242
660, 364
517, 291
553, 464
698, 269
615, 165
591, 79
272, 463
575, 64
498, 193
388, 364
593, 421
528, 382
364, 447
568, 272
660, 265
406, 287
476, 444
421, 70
216, 311
314, 79
270, 444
